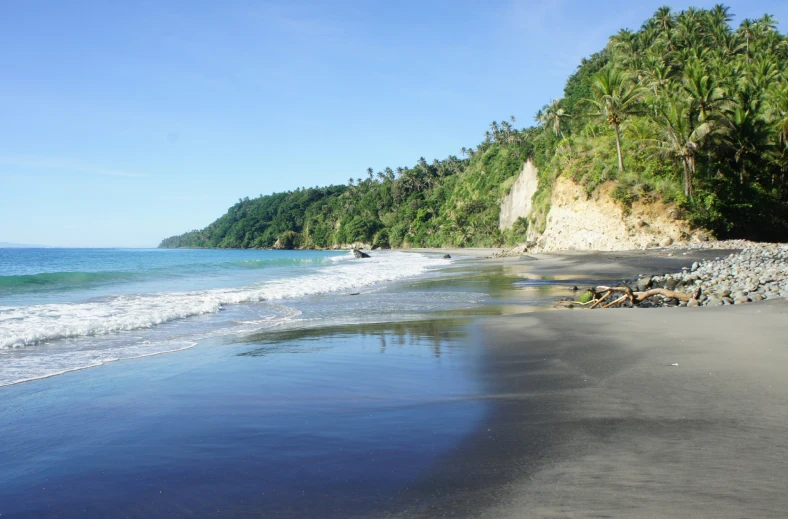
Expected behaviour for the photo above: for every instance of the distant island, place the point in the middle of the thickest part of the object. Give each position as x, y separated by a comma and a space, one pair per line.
686, 111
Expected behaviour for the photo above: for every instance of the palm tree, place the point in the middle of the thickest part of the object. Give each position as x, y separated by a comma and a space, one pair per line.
551, 116
494, 131
681, 139
747, 29
664, 24
720, 17
748, 134
778, 113
615, 98
702, 91
507, 129
657, 73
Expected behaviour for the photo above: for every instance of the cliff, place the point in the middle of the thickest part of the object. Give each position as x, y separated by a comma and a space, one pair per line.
517, 204
579, 221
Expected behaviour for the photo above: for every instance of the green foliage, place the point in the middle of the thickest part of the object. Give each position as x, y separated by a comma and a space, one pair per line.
700, 115
586, 297
686, 109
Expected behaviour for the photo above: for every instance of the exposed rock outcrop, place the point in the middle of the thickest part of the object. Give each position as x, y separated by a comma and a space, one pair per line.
359, 254
517, 204
577, 221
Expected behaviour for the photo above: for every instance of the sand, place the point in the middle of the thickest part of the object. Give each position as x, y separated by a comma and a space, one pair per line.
625, 413
631, 413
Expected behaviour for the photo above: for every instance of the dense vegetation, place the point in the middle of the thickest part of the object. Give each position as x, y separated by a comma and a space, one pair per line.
686, 108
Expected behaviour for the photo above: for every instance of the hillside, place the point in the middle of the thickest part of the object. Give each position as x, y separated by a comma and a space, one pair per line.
686, 112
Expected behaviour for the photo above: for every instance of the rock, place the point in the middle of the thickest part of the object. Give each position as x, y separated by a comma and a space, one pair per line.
671, 283
695, 266
357, 253
447, 256
756, 297
693, 302
714, 301
643, 284
727, 300
667, 241
742, 299
723, 293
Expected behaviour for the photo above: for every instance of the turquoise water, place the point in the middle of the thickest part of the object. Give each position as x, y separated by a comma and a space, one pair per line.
300, 422
68, 309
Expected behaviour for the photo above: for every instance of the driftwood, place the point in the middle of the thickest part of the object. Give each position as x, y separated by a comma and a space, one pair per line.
625, 294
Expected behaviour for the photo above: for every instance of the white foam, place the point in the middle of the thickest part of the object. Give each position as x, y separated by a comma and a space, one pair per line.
18, 369
29, 325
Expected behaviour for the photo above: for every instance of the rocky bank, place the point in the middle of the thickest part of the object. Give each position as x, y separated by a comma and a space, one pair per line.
757, 272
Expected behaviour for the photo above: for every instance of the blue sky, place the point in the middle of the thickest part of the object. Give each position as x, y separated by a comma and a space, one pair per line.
127, 122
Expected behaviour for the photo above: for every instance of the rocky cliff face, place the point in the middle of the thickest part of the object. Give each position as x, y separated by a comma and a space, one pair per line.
577, 221
517, 204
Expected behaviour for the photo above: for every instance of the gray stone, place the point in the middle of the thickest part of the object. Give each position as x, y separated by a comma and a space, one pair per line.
714, 301
693, 302
742, 299
756, 297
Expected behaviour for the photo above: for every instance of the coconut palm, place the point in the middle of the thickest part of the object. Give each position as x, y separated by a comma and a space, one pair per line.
615, 99
681, 139
702, 91
747, 30
748, 134
777, 112
551, 116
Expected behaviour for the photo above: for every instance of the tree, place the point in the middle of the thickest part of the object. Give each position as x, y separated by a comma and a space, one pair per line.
551, 116
747, 135
702, 91
615, 99
681, 139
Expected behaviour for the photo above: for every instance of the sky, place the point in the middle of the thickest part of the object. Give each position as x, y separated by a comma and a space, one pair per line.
122, 123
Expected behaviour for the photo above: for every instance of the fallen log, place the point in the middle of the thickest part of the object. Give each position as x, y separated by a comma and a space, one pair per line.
668, 294
601, 293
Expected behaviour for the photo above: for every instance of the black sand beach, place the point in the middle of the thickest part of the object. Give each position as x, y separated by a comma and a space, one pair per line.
674, 412
669, 412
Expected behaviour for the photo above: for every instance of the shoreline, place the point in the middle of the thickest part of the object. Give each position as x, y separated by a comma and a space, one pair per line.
669, 412
580, 414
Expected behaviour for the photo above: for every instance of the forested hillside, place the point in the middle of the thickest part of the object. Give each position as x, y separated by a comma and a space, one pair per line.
687, 109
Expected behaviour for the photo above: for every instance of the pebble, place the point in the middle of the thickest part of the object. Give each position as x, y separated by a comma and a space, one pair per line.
758, 272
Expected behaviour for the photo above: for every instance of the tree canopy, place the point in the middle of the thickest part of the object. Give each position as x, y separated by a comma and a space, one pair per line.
686, 108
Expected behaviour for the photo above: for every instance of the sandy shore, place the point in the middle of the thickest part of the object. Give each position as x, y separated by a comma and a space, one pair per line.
500, 410
631, 413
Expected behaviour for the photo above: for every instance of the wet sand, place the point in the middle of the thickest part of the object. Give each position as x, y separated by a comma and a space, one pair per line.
591, 418
557, 414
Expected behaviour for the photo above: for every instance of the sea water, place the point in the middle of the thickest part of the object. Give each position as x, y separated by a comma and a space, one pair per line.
68, 309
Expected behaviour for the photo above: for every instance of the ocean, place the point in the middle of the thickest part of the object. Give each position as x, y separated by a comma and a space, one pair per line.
69, 309
245, 383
